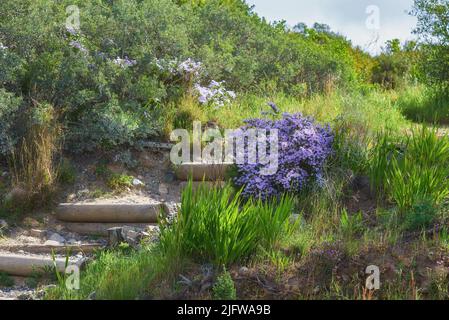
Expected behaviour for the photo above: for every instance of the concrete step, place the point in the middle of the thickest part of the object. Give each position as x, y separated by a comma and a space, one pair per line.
203, 171
26, 265
57, 249
101, 229
110, 213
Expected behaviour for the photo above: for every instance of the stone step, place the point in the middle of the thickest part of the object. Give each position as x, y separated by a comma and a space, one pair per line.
203, 171
26, 265
110, 213
101, 229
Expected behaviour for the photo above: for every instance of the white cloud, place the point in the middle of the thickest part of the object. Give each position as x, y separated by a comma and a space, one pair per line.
347, 17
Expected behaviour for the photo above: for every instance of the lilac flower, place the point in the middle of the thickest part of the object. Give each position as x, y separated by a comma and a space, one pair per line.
302, 151
125, 62
215, 94
190, 66
274, 107
78, 45
73, 31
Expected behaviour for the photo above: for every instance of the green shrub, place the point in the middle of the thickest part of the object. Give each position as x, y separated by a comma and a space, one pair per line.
224, 288
118, 182
66, 172
420, 216
9, 105
104, 104
214, 225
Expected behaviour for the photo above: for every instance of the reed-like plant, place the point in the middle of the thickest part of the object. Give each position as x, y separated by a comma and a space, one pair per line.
217, 225
413, 171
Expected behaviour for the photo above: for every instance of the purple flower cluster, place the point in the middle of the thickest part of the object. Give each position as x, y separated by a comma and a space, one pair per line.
72, 30
303, 149
124, 62
78, 45
215, 94
190, 67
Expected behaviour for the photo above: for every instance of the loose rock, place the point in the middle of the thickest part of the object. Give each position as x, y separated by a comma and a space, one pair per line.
138, 183
57, 237
38, 233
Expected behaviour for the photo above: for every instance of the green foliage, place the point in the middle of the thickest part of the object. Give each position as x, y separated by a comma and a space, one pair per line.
420, 216
224, 288
103, 104
6, 280
115, 275
433, 24
425, 104
213, 225
9, 105
413, 171
396, 66
66, 172
351, 224
118, 182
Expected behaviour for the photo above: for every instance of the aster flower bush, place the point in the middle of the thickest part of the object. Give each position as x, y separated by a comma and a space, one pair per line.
303, 149
215, 94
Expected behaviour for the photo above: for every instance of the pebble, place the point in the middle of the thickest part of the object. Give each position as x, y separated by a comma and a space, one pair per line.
3, 224
243, 271
57, 237
73, 241
138, 183
38, 233
163, 189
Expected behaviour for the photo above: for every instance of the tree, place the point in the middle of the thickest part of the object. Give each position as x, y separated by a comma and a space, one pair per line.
433, 28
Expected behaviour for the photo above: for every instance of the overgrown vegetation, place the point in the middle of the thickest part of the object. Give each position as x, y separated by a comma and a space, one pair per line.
363, 166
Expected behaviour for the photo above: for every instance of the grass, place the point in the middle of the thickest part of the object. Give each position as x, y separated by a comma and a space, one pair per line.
215, 226
412, 169
422, 104
32, 163
115, 275
372, 111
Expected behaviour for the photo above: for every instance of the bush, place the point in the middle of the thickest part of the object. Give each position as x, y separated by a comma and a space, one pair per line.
224, 288
118, 182
420, 216
9, 105
66, 172
111, 88
214, 226
303, 149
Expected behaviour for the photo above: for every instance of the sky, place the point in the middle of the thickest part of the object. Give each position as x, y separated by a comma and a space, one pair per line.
367, 23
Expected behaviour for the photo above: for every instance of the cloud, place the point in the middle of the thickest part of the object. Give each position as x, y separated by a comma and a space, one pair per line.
347, 17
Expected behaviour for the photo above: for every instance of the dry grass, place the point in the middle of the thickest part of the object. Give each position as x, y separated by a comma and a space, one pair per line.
32, 163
